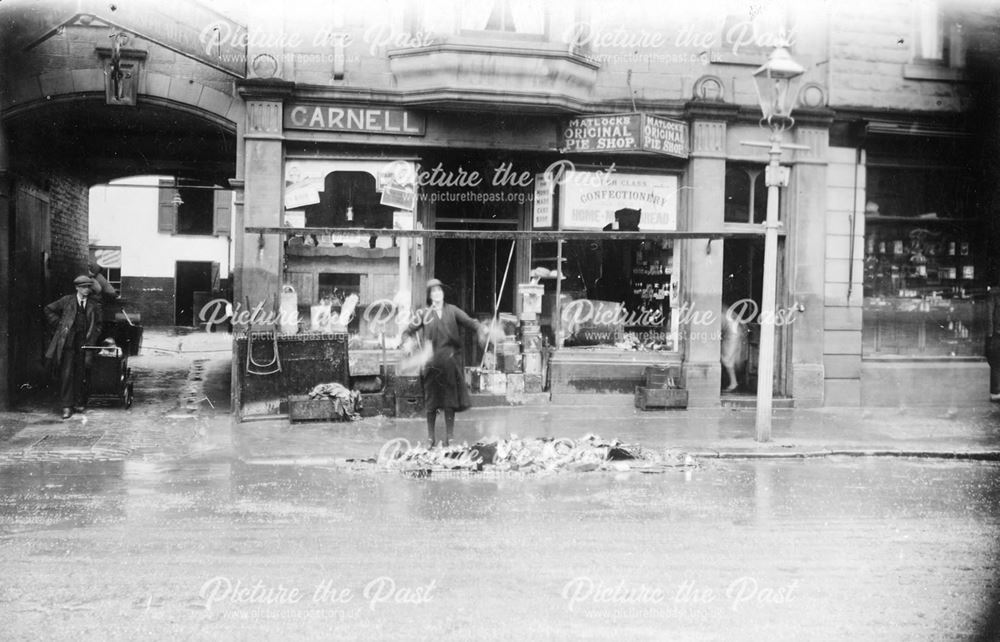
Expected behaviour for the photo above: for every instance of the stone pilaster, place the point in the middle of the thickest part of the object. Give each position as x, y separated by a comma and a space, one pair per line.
702, 277
806, 245
257, 274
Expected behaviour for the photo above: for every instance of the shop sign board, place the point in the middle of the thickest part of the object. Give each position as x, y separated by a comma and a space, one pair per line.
354, 119
664, 136
542, 202
631, 132
589, 200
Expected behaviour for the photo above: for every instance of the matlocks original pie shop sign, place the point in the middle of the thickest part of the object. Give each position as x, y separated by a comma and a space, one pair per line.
632, 132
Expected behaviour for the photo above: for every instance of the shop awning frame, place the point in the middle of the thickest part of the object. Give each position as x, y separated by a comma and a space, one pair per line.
527, 235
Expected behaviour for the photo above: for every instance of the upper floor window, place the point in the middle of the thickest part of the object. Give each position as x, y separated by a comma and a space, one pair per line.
746, 194
939, 37
194, 210
508, 16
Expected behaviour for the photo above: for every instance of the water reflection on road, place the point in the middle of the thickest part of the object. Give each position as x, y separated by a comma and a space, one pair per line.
732, 550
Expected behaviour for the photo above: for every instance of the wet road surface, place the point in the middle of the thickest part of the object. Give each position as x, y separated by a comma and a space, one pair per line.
208, 547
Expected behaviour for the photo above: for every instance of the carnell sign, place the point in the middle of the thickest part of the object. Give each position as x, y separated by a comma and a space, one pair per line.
355, 119
632, 132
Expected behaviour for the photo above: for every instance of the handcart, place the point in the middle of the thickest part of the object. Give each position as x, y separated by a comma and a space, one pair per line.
109, 376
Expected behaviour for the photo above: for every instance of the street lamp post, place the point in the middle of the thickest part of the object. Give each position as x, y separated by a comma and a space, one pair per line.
776, 82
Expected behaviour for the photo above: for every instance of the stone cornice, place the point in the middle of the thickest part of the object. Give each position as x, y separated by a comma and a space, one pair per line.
710, 110
265, 89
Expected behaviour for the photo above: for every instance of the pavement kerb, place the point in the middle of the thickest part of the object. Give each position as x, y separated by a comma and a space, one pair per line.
979, 455
984, 455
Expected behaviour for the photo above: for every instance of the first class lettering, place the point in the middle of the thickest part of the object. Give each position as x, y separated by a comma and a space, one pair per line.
354, 119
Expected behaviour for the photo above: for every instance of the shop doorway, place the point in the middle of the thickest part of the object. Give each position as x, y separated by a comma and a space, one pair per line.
472, 271
742, 290
193, 285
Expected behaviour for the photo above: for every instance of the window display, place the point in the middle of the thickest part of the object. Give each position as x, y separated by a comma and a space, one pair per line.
924, 285
623, 292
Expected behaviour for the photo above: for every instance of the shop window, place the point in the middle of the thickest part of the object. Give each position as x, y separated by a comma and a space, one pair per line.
924, 265
349, 199
614, 292
746, 194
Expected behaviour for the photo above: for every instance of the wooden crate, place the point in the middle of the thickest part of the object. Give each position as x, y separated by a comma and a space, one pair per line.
378, 403
409, 407
660, 376
532, 361
406, 386
302, 408
509, 362
532, 383
657, 398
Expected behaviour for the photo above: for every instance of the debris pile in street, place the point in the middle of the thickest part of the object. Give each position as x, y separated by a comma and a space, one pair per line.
542, 455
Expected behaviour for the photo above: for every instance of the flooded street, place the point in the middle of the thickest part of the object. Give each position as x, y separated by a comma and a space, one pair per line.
213, 548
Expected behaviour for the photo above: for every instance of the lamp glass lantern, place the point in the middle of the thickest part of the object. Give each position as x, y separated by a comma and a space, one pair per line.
777, 83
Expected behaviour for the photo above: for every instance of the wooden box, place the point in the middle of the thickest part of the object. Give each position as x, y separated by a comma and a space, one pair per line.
656, 398
664, 376
532, 343
498, 383
409, 407
406, 386
515, 384
532, 383
302, 408
378, 403
532, 361
509, 362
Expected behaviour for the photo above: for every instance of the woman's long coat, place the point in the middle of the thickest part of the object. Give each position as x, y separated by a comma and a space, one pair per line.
442, 377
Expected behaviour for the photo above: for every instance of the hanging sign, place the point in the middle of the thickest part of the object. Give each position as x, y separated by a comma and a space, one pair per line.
632, 132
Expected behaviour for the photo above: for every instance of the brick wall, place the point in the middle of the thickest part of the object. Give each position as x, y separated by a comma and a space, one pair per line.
69, 209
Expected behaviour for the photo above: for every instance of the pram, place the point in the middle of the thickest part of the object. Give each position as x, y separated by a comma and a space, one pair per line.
109, 376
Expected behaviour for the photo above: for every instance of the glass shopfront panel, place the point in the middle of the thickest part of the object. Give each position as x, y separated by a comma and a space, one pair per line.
615, 292
331, 273
925, 265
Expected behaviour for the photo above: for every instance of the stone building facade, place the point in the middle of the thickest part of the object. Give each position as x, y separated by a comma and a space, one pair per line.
894, 94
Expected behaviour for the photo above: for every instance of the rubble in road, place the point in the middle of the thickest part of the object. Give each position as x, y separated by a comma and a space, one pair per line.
517, 455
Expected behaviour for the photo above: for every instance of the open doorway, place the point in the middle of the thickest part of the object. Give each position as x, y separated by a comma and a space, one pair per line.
472, 271
742, 290
193, 285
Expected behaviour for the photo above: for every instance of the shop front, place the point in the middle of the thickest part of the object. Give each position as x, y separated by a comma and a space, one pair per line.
606, 222
927, 260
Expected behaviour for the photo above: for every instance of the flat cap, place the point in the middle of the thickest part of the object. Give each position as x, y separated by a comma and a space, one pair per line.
83, 279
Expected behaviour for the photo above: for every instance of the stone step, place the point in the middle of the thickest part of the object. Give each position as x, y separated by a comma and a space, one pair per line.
750, 401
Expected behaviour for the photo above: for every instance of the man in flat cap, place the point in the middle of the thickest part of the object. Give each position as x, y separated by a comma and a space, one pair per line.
75, 321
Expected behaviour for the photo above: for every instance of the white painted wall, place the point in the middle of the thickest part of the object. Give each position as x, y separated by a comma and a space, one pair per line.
124, 213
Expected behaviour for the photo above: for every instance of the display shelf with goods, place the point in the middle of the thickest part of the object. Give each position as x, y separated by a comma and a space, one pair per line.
924, 288
651, 294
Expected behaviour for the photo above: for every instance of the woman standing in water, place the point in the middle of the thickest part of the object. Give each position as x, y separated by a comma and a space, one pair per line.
442, 376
